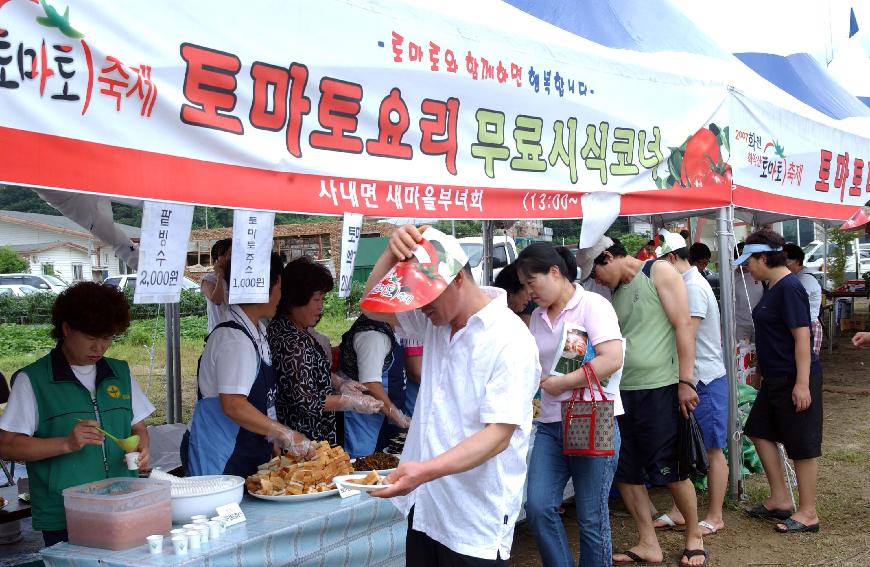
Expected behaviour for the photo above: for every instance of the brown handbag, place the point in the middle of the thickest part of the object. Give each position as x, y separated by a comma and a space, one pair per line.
588, 425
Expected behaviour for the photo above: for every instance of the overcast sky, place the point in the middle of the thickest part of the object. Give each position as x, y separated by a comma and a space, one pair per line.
778, 26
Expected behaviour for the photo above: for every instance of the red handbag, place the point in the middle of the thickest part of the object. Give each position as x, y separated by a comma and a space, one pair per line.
588, 425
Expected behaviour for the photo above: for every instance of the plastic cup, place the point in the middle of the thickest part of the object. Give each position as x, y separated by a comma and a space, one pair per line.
194, 539
193, 519
177, 531
222, 523
155, 544
179, 544
203, 532
214, 529
132, 460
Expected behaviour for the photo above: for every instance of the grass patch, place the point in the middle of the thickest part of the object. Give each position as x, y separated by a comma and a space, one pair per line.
844, 456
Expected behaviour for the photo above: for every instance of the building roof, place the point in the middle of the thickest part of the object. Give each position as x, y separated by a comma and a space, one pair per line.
36, 247
57, 223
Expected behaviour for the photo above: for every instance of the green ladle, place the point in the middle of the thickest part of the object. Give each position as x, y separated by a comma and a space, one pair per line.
129, 444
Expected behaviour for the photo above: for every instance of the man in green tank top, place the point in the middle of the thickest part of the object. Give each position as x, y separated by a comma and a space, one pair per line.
657, 385
58, 402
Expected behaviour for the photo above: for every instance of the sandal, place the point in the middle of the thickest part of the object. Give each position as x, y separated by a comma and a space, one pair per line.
711, 529
669, 523
635, 559
689, 553
762, 511
792, 526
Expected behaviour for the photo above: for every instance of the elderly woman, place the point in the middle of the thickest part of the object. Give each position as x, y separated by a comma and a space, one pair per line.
308, 392
58, 402
788, 408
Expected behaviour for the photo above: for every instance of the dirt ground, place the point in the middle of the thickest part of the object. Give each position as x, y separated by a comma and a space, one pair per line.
843, 499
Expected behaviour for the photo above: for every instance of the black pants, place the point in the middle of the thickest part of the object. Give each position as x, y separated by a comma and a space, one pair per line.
423, 551
52, 537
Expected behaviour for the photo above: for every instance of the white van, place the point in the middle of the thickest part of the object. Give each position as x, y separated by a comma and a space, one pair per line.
814, 257
504, 252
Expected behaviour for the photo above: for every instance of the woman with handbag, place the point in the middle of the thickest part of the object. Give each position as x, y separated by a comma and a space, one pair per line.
549, 273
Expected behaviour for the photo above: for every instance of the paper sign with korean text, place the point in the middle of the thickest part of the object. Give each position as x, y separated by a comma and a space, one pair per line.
250, 257
162, 252
351, 229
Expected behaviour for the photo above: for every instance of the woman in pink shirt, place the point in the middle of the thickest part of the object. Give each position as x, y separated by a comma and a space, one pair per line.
549, 273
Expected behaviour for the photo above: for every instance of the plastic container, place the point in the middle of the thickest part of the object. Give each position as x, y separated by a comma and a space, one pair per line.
117, 513
201, 495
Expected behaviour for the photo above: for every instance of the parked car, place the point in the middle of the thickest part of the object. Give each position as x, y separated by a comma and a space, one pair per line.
129, 280
504, 251
814, 257
17, 290
41, 282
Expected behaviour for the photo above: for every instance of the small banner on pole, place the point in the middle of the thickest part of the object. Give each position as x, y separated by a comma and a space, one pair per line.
162, 252
351, 230
252, 247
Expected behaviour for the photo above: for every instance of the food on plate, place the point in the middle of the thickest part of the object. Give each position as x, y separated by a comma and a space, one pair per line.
284, 476
376, 462
370, 479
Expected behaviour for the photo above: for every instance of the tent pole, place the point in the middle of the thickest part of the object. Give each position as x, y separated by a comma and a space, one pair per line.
832, 320
487, 253
726, 278
169, 366
176, 360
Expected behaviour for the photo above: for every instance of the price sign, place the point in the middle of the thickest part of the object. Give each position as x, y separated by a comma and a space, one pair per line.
350, 234
162, 252
231, 514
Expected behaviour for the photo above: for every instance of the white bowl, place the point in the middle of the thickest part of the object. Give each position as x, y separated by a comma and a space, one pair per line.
203, 494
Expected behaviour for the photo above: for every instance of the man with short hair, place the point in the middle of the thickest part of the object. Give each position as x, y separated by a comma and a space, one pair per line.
652, 306
699, 257
463, 467
710, 381
795, 264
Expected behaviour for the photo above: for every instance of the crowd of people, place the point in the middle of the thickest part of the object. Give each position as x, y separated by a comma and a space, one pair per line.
459, 374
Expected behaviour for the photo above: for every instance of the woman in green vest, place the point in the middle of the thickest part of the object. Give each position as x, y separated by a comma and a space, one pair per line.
58, 402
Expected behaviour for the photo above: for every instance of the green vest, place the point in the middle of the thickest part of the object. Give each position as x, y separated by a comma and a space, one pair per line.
651, 346
61, 400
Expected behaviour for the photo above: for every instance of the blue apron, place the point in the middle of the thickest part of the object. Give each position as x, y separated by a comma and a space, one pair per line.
215, 444
365, 434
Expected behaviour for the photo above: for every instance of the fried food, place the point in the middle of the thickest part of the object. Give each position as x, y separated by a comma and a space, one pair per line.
370, 479
376, 462
283, 476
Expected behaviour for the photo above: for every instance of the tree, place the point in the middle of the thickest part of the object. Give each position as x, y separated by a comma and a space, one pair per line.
463, 228
10, 262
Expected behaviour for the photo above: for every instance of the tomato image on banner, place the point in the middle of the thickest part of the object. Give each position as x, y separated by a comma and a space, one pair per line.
699, 161
413, 283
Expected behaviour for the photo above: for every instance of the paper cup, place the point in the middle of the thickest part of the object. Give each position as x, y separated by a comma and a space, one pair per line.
179, 544
203, 532
155, 544
132, 460
193, 519
214, 530
222, 523
194, 539
177, 531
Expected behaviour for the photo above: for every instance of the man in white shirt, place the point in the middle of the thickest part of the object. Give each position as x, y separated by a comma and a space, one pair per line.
463, 468
710, 382
795, 263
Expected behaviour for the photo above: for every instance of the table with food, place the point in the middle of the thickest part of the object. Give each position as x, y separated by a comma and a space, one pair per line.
292, 507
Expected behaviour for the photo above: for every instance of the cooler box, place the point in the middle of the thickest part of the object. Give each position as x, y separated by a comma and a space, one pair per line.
117, 513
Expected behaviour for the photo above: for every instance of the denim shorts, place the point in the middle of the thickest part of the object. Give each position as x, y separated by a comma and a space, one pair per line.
712, 412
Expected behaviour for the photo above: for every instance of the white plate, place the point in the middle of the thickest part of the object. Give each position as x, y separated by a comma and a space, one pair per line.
296, 497
385, 472
343, 480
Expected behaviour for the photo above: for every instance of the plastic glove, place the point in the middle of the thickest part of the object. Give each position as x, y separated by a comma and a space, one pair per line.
349, 387
291, 441
395, 415
359, 403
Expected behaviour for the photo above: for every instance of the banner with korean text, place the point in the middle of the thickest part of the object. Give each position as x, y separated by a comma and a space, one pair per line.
797, 167
351, 229
382, 108
250, 260
162, 252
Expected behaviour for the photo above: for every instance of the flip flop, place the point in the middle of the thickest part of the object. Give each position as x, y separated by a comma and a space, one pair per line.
689, 553
711, 529
792, 526
762, 511
669, 522
635, 559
